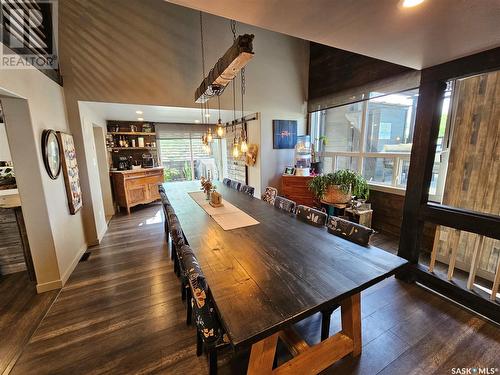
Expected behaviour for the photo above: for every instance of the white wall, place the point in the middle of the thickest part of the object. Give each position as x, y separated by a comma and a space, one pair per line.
102, 162
56, 237
4, 145
94, 212
148, 52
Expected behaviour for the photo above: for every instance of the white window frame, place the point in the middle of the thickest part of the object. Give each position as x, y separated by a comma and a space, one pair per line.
398, 157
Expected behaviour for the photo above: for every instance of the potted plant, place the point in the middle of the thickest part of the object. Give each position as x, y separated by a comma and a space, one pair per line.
317, 154
338, 187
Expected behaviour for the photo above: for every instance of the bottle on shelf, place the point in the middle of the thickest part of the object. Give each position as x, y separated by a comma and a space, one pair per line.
133, 142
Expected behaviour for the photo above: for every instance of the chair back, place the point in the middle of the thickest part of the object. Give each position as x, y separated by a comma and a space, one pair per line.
204, 312
176, 231
311, 216
247, 190
270, 195
226, 181
284, 204
235, 185
350, 231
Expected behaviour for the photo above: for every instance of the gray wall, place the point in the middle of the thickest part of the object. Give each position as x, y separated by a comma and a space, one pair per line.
148, 52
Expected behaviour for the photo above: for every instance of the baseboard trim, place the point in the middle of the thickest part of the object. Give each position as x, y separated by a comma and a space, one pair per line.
73, 264
100, 236
51, 285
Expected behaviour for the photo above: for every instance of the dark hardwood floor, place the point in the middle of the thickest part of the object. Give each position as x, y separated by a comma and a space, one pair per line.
21, 310
121, 313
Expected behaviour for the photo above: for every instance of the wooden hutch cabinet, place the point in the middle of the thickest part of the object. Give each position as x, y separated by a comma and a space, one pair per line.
135, 187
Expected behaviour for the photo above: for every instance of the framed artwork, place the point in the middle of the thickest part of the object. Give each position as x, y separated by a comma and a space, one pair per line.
289, 170
51, 153
284, 134
70, 171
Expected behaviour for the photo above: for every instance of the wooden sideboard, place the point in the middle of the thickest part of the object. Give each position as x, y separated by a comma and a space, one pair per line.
295, 188
136, 186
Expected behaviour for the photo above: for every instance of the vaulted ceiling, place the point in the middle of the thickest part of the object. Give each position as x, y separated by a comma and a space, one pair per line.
431, 33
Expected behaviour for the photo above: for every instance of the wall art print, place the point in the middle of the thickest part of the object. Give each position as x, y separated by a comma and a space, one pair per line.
70, 171
284, 134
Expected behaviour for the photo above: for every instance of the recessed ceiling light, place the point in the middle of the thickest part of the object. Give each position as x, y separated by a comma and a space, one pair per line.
139, 112
196, 121
411, 3
140, 119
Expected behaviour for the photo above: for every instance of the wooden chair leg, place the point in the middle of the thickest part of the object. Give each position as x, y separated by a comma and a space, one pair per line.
183, 291
325, 324
199, 344
189, 308
212, 361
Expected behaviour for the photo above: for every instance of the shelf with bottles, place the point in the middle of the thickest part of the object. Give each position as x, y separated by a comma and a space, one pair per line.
123, 135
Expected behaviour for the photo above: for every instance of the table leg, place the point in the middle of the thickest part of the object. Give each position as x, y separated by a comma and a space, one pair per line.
351, 321
311, 359
262, 356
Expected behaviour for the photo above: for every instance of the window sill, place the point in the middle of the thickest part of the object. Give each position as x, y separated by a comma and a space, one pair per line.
387, 189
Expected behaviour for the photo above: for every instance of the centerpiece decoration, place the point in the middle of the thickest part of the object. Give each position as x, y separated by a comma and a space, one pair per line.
339, 186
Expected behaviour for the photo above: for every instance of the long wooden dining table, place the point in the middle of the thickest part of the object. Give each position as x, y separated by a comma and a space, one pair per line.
266, 277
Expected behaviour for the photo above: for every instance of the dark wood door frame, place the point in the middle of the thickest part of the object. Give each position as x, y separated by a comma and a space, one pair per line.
417, 209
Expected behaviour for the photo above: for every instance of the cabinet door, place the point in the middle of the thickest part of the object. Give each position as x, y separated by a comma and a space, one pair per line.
154, 194
136, 194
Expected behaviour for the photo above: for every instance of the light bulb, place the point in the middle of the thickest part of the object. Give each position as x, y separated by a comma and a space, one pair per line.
220, 131
244, 147
411, 3
236, 152
209, 137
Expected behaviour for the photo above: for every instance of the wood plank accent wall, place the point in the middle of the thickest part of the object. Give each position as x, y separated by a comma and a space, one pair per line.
332, 70
474, 165
388, 216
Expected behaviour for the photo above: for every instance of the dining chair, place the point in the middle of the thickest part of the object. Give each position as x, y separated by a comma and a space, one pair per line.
209, 333
235, 185
177, 240
284, 204
226, 181
350, 231
247, 190
311, 216
270, 195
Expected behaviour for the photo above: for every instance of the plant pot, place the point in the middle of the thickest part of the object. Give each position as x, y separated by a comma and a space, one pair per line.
335, 195
316, 167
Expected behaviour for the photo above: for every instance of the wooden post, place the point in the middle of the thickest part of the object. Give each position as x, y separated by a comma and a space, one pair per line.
454, 252
422, 158
476, 258
435, 246
496, 282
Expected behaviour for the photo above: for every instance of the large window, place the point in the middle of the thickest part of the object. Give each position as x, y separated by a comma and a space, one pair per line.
373, 137
185, 159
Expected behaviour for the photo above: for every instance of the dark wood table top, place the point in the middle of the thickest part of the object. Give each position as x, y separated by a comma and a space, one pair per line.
267, 276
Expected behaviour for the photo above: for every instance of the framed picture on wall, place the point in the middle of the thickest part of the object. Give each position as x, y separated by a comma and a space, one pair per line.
284, 134
70, 171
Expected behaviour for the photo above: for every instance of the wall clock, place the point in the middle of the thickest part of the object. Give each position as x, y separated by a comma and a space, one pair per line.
51, 153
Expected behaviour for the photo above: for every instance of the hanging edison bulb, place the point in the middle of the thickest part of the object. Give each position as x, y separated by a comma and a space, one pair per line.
236, 148
220, 129
244, 146
209, 135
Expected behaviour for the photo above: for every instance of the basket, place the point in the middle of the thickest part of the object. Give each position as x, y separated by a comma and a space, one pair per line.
335, 195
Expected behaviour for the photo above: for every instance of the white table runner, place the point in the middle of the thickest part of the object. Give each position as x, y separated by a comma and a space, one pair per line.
228, 216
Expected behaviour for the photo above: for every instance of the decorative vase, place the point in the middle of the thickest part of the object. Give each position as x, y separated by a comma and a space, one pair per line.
335, 195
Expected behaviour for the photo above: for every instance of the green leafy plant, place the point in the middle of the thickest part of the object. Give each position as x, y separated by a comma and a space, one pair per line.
345, 179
